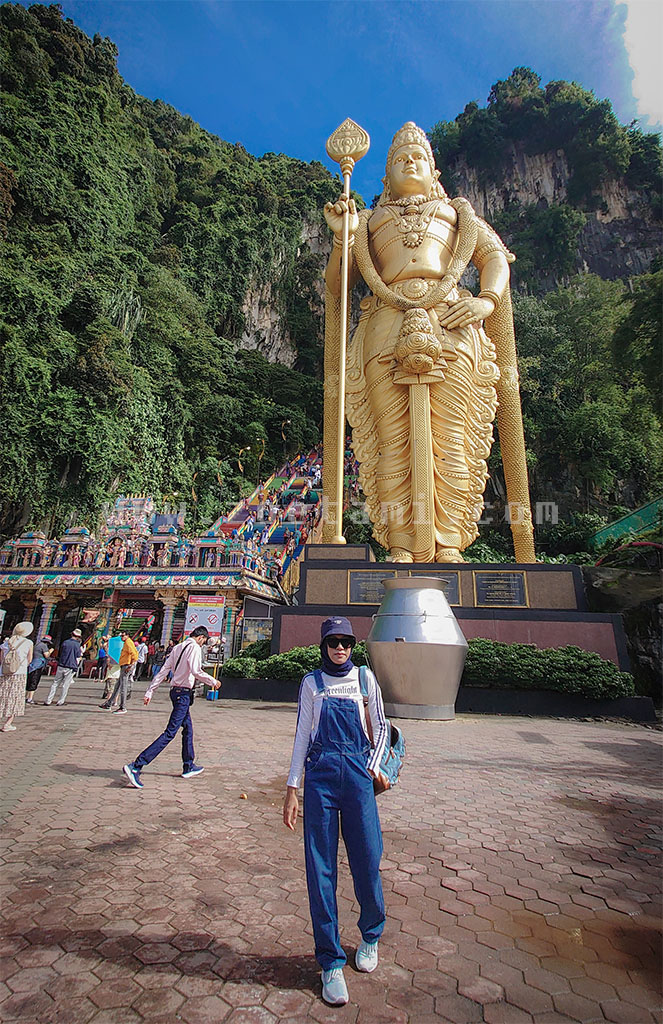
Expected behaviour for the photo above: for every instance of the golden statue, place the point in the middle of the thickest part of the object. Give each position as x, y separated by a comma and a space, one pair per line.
423, 379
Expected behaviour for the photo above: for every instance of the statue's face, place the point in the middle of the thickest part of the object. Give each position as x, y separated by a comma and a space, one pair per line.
410, 172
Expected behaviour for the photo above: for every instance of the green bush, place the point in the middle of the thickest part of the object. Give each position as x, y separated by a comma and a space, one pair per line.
241, 668
526, 667
259, 650
359, 655
291, 664
489, 663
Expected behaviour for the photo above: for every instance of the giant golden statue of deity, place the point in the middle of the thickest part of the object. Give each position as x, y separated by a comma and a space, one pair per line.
424, 379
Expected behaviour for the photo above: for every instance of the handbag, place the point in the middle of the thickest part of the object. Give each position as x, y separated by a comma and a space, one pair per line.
394, 749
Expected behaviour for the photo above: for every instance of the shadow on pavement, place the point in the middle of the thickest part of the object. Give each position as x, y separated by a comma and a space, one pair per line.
189, 953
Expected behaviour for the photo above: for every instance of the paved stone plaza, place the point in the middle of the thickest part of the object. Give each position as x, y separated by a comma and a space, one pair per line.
521, 874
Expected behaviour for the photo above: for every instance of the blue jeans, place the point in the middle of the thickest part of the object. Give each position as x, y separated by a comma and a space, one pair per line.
337, 785
122, 686
179, 716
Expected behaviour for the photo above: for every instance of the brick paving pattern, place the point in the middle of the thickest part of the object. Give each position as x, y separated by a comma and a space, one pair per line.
521, 874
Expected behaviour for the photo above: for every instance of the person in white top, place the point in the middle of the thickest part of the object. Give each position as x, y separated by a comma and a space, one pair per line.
184, 665
14, 674
334, 751
142, 652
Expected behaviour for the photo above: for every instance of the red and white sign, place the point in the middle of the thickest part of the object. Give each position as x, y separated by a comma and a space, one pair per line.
205, 610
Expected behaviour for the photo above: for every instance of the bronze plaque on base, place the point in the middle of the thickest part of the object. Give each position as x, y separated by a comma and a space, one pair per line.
365, 585
500, 588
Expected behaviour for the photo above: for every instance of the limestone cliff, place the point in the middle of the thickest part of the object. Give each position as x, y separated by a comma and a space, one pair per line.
619, 239
272, 326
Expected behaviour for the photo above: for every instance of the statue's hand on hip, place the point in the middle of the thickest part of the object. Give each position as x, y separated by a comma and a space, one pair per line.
334, 215
466, 312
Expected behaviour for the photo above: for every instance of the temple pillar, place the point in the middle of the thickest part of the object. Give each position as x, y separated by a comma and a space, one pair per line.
50, 599
234, 604
169, 598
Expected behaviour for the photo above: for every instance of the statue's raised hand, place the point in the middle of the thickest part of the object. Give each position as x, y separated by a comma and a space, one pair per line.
334, 215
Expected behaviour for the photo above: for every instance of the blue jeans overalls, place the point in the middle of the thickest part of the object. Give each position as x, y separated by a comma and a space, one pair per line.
337, 780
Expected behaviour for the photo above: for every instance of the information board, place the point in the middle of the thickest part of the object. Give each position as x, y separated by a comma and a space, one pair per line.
451, 579
256, 629
365, 585
500, 588
205, 610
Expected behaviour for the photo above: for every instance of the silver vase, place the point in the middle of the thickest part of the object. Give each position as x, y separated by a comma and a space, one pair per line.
417, 649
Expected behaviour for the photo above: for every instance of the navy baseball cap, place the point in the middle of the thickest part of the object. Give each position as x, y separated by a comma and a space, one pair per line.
337, 626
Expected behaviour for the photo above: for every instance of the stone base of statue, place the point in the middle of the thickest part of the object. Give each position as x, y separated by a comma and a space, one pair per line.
544, 605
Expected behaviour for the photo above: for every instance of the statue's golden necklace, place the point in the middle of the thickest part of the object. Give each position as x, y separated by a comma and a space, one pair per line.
416, 214
468, 228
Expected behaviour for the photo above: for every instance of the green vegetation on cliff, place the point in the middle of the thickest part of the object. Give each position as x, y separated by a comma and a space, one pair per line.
132, 241
131, 238
562, 115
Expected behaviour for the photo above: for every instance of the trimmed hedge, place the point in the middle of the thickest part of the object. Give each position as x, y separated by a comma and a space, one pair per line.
489, 664
526, 667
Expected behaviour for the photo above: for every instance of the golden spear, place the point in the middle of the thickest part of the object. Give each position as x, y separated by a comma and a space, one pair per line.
348, 144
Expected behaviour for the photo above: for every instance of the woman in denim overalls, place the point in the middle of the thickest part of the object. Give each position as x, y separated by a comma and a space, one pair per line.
332, 745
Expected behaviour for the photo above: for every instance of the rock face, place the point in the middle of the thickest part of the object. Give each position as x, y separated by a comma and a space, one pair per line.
542, 177
618, 240
637, 596
265, 326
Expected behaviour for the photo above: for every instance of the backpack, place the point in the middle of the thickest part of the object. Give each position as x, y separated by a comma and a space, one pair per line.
13, 659
394, 751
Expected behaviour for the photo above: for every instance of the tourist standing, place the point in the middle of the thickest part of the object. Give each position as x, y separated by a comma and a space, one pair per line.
184, 665
332, 744
128, 662
158, 658
14, 674
69, 657
41, 654
142, 652
102, 658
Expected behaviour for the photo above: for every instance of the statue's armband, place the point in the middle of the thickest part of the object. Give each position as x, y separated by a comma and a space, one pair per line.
489, 242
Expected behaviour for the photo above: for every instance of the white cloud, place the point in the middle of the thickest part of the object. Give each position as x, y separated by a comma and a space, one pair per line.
643, 36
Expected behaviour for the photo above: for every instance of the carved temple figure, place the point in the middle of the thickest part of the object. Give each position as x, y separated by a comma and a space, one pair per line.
423, 376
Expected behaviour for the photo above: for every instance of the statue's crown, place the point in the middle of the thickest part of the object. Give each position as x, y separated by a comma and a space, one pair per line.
410, 135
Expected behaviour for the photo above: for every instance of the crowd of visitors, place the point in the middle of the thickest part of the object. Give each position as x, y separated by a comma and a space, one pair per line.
250, 545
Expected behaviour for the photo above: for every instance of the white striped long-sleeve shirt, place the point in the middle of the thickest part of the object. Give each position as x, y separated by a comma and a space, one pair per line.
310, 706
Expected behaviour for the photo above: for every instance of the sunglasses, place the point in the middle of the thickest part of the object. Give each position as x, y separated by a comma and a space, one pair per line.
339, 641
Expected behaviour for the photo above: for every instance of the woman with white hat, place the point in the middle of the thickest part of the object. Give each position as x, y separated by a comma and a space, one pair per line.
14, 674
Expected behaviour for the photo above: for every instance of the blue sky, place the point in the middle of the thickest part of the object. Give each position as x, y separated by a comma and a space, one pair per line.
281, 76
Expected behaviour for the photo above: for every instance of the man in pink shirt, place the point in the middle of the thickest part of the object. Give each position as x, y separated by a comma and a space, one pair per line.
184, 664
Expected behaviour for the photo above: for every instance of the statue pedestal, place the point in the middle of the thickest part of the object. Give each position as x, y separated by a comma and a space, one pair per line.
544, 605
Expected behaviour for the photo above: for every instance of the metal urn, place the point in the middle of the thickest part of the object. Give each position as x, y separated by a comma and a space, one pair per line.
417, 649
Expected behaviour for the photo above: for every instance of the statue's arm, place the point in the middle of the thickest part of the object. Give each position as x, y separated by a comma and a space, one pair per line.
333, 272
491, 258
334, 216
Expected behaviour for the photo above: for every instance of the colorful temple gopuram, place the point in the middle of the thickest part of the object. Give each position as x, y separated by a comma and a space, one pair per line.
141, 569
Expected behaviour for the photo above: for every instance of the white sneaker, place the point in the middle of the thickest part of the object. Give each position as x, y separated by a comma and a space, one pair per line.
334, 989
366, 957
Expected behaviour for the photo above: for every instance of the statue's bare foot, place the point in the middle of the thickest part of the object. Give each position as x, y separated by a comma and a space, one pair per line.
399, 555
448, 555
